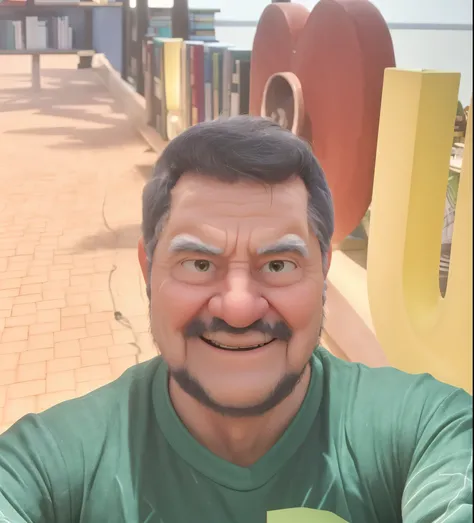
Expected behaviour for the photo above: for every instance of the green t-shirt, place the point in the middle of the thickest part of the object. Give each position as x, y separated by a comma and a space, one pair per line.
368, 445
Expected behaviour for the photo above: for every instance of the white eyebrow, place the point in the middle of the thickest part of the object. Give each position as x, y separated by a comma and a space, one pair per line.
287, 243
186, 242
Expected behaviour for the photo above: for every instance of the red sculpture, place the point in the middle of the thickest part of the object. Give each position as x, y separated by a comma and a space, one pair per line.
338, 54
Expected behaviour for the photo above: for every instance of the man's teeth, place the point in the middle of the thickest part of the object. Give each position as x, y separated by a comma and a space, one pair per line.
233, 347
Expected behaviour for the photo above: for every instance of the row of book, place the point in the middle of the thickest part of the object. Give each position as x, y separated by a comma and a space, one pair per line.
49, 32
22, 3
201, 25
187, 82
52, 2
11, 35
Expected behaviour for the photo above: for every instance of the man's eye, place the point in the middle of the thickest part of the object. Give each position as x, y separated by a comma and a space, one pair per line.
276, 266
198, 265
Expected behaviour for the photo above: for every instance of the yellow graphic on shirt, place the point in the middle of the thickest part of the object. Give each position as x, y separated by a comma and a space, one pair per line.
418, 329
302, 515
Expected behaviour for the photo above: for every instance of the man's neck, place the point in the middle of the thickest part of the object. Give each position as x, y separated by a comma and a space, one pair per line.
242, 441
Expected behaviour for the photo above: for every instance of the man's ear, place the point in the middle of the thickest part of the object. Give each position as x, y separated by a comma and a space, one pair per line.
142, 258
329, 257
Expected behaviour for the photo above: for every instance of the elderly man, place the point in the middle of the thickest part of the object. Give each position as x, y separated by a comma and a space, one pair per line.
243, 418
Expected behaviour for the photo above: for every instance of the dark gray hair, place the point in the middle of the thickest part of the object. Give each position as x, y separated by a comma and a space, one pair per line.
234, 149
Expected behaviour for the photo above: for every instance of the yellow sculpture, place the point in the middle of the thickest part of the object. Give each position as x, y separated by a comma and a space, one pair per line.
418, 329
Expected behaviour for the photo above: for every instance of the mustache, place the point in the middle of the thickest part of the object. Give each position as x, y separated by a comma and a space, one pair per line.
197, 328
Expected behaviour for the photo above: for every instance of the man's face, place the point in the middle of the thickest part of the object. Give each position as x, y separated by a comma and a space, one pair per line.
237, 291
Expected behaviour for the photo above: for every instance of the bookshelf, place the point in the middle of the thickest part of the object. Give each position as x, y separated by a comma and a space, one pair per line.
188, 82
174, 19
53, 26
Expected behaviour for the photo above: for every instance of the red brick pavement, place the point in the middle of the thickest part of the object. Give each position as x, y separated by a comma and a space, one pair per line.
71, 173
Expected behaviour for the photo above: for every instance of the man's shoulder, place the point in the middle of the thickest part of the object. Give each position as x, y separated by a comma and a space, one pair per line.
386, 412
382, 387
92, 415
135, 382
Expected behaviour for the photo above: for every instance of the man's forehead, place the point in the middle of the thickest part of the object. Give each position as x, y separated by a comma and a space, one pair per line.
198, 189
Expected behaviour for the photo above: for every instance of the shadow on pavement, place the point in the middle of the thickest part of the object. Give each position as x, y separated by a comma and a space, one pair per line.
73, 95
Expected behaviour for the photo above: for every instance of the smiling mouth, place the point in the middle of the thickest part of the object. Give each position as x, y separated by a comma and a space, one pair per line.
233, 348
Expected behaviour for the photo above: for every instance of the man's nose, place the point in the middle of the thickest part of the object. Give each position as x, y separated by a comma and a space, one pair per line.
239, 304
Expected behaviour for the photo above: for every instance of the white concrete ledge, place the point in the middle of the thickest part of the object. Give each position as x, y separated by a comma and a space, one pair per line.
348, 320
132, 103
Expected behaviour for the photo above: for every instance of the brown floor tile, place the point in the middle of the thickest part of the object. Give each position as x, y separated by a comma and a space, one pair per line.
45, 401
9, 361
94, 372
41, 341
88, 386
121, 364
25, 389
65, 349
16, 408
14, 346
43, 328
56, 313
36, 355
28, 298
73, 322
14, 334
70, 334
3, 395
98, 328
93, 342
76, 310
59, 381
31, 371
24, 309
48, 316
97, 356
118, 351
61, 364
7, 377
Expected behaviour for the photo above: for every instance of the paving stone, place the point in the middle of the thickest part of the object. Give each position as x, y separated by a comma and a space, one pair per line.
25, 389
9, 361
58, 335
31, 371
16, 408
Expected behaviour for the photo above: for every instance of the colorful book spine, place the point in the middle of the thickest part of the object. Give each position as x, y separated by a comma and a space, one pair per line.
240, 88
216, 51
160, 26
159, 88
148, 66
45, 32
244, 87
199, 78
185, 86
230, 57
9, 38
194, 82
207, 84
202, 26
172, 84
215, 84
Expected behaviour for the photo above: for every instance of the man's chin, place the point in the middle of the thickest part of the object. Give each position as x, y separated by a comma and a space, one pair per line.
229, 408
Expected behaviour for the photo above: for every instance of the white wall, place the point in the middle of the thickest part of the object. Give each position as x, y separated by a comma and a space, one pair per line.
419, 11
414, 49
409, 11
